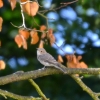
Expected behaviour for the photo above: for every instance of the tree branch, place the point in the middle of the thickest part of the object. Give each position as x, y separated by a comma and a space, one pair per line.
94, 95
17, 97
38, 89
20, 75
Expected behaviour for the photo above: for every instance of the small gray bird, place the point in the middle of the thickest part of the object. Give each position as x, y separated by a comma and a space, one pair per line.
47, 60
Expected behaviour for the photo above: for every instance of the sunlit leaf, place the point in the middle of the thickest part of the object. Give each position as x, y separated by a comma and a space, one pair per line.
0, 43
41, 44
51, 36
60, 59
34, 37
2, 65
43, 35
24, 33
12, 3
74, 62
42, 27
18, 40
24, 0
1, 21
83, 65
1, 3
31, 8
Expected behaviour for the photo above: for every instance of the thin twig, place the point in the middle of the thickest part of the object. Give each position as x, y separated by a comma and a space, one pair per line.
45, 18
59, 47
23, 18
38, 89
17, 97
22, 3
54, 9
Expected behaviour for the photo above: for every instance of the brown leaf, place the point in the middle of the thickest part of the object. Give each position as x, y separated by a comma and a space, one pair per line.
34, 36
20, 40
0, 43
1, 21
51, 36
60, 59
30, 8
43, 35
12, 4
24, 33
79, 58
2, 65
24, 43
83, 65
24, 0
72, 58
43, 28
41, 44
73, 62
1, 3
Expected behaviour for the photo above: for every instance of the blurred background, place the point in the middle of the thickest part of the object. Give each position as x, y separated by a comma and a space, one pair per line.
76, 26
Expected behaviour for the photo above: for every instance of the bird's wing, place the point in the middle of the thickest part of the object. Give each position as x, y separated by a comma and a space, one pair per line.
49, 58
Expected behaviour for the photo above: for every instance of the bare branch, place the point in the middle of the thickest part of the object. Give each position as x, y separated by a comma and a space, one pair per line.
17, 97
18, 76
94, 95
38, 89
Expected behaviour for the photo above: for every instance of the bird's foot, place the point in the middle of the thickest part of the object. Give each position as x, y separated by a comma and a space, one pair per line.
44, 67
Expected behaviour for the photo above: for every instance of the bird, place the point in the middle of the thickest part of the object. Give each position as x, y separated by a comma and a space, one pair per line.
48, 60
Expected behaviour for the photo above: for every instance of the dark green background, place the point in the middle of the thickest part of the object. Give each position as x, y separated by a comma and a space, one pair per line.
55, 87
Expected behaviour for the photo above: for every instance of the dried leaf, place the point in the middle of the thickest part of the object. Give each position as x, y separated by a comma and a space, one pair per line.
31, 8
41, 44
20, 40
60, 59
73, 62
2, 65
51, 36
24, 43
43, 28
1, 3
83, 65
43, 35
24, 33
24, 0
0, 43
12, 4
34, 36
1, 21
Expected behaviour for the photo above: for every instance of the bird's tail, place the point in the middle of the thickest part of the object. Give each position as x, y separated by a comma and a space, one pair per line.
59, 66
